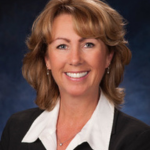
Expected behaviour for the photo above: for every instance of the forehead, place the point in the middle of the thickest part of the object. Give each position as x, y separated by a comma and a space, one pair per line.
62, 21
82, 25
63, 27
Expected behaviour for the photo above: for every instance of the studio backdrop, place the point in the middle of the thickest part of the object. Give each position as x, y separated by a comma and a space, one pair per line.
16, 18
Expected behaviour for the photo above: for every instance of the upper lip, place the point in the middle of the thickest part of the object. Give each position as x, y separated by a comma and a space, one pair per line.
76, 71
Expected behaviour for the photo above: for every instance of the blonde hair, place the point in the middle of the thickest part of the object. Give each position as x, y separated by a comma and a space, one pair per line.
92, 18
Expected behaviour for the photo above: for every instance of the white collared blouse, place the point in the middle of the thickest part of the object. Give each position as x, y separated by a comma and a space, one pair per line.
96, 131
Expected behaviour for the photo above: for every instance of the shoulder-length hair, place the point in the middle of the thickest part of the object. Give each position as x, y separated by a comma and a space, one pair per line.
92, 18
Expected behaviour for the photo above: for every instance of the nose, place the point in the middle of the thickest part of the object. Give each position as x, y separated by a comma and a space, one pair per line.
75, 57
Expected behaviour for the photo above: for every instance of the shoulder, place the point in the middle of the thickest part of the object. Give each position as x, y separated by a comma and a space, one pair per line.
26, 115
17, 126
21, 121
129, 133
126, 122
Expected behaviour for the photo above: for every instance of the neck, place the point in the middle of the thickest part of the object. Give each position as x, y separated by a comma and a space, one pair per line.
77, 107
74, 113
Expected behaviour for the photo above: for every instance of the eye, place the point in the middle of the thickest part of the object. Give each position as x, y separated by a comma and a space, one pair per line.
89, 45
62, 46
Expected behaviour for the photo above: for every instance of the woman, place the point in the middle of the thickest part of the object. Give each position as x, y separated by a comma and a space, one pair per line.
76, 62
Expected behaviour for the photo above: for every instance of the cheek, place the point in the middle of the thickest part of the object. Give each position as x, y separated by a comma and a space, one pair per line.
98, 60
56, 61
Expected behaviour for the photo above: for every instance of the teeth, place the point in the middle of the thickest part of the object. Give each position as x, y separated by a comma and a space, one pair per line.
77, 75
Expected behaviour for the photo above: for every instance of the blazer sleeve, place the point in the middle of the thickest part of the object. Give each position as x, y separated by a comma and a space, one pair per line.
12, 135
4, 143
142, 142
129, 133
16, 127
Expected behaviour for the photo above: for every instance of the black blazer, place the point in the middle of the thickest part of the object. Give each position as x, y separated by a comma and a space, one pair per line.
128, 133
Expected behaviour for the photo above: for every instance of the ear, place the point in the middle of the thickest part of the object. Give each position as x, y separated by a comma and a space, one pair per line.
109, 58
47, 62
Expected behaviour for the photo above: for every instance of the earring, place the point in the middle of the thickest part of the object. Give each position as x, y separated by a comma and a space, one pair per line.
108, 69
47, 72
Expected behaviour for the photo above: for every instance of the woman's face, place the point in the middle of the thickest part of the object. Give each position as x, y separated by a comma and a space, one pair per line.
77, 64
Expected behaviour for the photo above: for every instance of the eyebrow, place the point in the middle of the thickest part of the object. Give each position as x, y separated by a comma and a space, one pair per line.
67, 40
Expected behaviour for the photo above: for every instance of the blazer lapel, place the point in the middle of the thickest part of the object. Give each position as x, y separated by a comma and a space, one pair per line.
83, 146
32, 146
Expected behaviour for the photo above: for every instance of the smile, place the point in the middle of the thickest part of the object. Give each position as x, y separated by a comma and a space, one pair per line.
77, 75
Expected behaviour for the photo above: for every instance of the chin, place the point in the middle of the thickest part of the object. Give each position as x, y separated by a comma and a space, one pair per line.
77, 92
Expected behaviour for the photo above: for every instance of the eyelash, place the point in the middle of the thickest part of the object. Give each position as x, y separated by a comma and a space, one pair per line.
89, 45
60, 46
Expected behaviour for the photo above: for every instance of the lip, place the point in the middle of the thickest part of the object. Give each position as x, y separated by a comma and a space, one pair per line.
80, 75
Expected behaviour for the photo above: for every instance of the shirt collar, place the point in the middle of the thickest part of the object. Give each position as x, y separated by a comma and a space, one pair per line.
96, 132
41, 122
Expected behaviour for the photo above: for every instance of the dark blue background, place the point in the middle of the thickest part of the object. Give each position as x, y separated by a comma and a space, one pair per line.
16, 18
